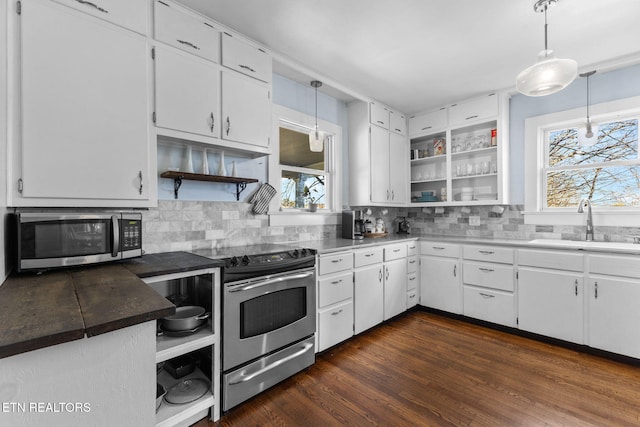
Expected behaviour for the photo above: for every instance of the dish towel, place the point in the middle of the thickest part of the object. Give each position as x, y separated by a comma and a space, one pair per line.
261, 199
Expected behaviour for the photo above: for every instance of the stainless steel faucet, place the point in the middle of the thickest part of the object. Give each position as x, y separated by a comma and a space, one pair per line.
587, 203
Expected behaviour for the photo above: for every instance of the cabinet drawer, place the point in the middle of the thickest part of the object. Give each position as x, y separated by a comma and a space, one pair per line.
487, 275
335, 288
335, 325
615, 265
488, 253
367, 257
245, 58
489, 305
412, 248
551, 259
473, 110
397, 123
412, 298
412, 281
187, 32
128, 14
428, 122
396, 251
334, 263
450, 250
379, 115
412, 264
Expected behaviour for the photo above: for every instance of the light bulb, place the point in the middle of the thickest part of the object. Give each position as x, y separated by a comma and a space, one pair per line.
588, 135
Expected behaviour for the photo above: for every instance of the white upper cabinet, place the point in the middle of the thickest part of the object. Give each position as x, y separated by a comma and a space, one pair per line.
379, 115
190, 33
130, 14
246, 58
246, 110
397, 123
187, 93
428, 122
473, 110
84, 112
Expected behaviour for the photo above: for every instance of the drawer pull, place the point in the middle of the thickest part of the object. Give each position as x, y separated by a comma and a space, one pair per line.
246, 67
486, 270
412, 278
576, 286
186, 43
336, 282
335, 313
369, 255
412, 247
213, 122
396, 250
438, 248
380, 278
455, 269
486, 252
596, 290
95, 6
472, 117
412, 296
380, 121
336, 260
412, 261
427, 127
482, 294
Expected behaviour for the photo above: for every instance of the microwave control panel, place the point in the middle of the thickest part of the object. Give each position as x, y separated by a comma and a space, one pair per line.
131, 237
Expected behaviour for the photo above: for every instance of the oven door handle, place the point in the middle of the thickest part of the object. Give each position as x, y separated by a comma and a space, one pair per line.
242, 378
272, 281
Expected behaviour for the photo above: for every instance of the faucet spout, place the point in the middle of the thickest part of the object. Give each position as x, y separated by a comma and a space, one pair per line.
587, 203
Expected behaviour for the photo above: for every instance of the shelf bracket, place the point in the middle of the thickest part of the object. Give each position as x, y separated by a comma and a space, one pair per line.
240, 186
177, 182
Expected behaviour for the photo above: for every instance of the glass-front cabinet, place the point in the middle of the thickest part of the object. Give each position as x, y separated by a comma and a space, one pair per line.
461, 158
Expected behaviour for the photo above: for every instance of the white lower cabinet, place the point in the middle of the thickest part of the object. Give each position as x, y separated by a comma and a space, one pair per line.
550, 302
335, 324
490, 305
440, 273
395, 288
369, 297
335, 299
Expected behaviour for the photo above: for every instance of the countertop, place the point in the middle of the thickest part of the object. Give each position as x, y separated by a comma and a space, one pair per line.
340, 244
41, 310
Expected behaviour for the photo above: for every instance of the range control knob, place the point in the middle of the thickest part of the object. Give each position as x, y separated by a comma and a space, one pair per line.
303, 252
245, 260
296, 253
233, 262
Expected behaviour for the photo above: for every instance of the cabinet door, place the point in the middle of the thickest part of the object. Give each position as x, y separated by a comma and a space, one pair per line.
440, 285
379, 115
246, 110
398, 165
380, 192
84, 107
335, 324
551, 303
614, 316
245, 58
428, 122
368, 297
397, 123
128, 14
395, 288
473, 110
186, 93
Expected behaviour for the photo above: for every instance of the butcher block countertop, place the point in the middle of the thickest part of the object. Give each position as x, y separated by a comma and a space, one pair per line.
41, 310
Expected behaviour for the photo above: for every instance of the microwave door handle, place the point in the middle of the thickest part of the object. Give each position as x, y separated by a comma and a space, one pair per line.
272, 281
242, 378
115, 227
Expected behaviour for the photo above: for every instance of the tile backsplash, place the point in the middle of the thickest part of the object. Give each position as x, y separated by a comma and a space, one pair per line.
189, 225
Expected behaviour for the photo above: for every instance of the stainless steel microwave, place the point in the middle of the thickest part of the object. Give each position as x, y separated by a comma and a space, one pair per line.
61, 239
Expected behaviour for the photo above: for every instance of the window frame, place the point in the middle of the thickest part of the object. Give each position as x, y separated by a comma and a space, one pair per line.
296, 120
536, 152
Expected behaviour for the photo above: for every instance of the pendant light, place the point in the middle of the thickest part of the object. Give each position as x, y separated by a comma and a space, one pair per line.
550, 74
588, 135
316, 137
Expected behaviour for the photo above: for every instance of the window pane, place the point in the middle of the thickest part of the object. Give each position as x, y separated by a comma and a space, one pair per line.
616, 141
299, 189
615, 186
294, 151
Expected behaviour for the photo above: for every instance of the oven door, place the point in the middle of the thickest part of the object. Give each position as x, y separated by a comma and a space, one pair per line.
264, 314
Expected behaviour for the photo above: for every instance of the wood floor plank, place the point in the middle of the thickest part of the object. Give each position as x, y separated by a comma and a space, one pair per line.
425, 369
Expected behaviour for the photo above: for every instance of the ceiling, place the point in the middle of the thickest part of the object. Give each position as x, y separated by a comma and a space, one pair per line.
414, 55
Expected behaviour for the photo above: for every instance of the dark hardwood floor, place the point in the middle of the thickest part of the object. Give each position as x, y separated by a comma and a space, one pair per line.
430, 370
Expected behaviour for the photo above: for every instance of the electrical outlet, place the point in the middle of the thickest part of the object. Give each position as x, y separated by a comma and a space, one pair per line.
474, 221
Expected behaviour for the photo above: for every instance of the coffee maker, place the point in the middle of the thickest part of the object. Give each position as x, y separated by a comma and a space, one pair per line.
353, 224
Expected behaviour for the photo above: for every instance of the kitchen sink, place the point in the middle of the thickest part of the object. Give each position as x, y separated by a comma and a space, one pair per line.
592, 245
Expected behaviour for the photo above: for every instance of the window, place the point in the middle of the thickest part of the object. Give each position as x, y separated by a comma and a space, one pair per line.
300, 175
559, 172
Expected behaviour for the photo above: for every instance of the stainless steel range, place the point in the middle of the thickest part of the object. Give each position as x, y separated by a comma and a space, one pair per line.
268, 320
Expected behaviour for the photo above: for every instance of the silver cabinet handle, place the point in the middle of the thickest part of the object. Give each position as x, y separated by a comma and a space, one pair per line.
482, 294
213, 121
412, 296
272, 281
396, 250
335, 282
20, 185
472, 117
387, 194
380, 276
379, 121
596, 290
486, 270
387, 275
413, 261
336, 260
335, 313
576, 286
186, 43
438, 248
425, 128
412, 278
93, 5
228, 125
369, 255
140, 176
115, 229
393, 195
455, 269
246, 67
486, 252
243, 378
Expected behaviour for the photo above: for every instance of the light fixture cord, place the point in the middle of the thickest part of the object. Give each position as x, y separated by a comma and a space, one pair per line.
545, 27
588, 96
316, 108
